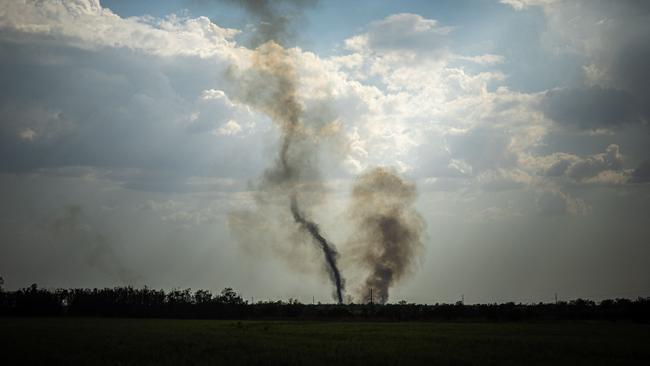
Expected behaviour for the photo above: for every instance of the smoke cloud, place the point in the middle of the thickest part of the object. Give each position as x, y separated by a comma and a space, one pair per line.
72, 231
329, 251
274, 18
387, 229
293, 181
388, 233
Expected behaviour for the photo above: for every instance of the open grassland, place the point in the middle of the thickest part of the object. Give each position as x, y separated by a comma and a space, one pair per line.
85, 341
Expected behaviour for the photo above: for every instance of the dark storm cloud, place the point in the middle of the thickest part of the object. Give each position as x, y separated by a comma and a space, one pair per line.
627, 53
642, 173
591, 107
613, 37
114, 109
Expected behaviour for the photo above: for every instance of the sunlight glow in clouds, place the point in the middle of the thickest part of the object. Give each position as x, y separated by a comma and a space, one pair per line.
552, 180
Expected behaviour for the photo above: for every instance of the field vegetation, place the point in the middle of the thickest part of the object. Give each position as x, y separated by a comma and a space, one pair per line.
117, 341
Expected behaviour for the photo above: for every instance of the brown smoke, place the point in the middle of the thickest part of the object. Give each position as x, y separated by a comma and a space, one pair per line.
388, 230
293, 181
274, 18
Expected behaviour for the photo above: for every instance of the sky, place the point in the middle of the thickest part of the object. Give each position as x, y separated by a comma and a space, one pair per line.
129, 142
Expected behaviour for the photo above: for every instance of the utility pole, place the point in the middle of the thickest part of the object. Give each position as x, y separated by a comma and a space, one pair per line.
462, 299
312, 300
371, 295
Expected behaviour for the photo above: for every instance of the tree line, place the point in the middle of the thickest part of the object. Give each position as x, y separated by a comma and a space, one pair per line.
150, 303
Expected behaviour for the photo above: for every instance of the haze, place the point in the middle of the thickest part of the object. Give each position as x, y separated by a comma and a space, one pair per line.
129, 142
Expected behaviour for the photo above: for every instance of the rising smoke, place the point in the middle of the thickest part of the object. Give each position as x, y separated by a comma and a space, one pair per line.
270, 86
388, 230
73, 232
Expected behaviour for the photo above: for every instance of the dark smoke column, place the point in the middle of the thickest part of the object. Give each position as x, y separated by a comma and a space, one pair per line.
329, 251
388, 230
270, 85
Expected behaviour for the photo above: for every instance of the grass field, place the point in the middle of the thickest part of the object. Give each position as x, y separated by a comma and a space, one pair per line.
196, 342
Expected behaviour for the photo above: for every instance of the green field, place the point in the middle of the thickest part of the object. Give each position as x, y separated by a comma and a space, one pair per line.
190, 342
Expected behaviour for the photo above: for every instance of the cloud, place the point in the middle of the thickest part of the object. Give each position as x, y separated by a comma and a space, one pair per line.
642, 173
27, 134
134, 117
612, 39
402, 32
606, 167
230, 128
593, 165
85, 23
557, 203
522, 4
590, 107
140, 97
483, 148
500, 180
486, 59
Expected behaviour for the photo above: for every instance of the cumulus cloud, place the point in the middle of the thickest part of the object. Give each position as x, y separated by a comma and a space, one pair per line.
140, 97
402, 32
606, 167
611, 159
612, 39
590, 107
85, 23
554, 203
139, 109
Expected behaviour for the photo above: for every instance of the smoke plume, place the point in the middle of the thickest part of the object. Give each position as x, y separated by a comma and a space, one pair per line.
274, 18
328, 250
388, 230
72, 230
293, 181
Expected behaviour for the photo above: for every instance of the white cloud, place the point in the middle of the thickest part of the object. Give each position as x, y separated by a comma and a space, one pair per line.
230, 128
27, 134
135, 117
522, 4
401, 32
486, 59
397, 92
85, 23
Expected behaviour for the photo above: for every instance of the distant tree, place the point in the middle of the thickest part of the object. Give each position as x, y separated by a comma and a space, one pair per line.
293, 301
229, 296
177, 296
202, 296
